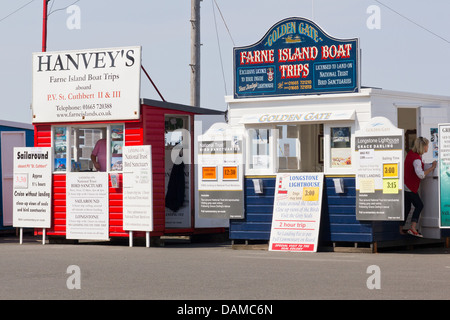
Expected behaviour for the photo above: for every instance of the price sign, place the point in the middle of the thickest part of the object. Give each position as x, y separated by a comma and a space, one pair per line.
20, 180
390, 170
311, 194
209, 173
390, 186
230, 173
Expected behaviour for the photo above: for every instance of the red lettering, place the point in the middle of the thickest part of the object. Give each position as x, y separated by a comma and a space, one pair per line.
256, 57
339, 52
294, 70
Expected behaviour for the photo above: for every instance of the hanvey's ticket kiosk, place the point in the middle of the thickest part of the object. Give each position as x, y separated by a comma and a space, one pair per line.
298, 100
87, 109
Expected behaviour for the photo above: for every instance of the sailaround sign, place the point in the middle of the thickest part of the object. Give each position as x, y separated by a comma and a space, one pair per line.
296, 57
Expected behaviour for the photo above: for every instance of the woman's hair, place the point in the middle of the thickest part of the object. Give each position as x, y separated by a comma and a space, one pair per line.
419, 145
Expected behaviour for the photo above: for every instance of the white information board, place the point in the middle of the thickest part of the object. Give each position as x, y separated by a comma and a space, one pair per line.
379, 171
296, 212
137, 188
32, 184
86, 85
87, 206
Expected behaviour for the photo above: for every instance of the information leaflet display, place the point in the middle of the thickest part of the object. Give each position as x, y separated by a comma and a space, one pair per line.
32, 183
379, 171
137, 188
87, 215
221, 174
296, 212
444, 175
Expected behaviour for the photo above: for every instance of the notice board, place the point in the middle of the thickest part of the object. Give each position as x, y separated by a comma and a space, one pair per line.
32, 184
296, 212
379, 171
87, 215
221, 173
444, 175
137, 188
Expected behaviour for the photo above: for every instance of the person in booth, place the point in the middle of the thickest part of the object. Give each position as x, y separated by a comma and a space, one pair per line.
414, 173
98, 155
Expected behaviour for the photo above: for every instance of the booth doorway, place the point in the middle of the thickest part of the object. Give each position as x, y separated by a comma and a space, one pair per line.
407, 120
177, 172
9, 140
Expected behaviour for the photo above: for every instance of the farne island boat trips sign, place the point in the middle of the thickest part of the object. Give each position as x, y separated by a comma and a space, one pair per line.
296, 57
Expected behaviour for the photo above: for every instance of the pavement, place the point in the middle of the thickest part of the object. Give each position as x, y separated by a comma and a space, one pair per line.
182, 270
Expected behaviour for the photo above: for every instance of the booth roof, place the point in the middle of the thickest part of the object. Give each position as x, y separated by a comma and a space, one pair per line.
179, 107
13, 124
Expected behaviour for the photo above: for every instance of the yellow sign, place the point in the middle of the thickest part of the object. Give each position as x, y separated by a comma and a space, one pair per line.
390, 186
209, 173
390, 170
230, 173
311, 194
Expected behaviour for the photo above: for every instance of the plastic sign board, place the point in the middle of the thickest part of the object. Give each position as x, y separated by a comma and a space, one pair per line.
221, 178
87, 210
86, 85
379, 171
137, 188
296, 57
444, 175
296, 212
32, 184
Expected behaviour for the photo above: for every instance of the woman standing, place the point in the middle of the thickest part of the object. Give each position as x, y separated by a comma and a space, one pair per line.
414, 173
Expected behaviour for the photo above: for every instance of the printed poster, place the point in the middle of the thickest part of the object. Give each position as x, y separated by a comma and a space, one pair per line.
87, 215
137, 188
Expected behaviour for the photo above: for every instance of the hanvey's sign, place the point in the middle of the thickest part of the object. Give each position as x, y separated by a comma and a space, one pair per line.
296, 57
86, 85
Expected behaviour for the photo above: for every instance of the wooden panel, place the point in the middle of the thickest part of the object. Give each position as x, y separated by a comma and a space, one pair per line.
258, 212
338, 221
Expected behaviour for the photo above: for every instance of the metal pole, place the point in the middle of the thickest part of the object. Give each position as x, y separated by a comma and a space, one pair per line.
195, 53
44, 27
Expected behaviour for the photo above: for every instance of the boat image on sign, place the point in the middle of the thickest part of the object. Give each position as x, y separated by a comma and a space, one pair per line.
289, 39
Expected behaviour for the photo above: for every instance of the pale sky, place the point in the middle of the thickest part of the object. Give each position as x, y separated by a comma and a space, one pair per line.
400, 55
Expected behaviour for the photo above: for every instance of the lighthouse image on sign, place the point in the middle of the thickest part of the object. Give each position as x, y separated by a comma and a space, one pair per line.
282, 192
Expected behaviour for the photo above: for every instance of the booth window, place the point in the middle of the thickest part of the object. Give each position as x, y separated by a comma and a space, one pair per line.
74, 145
259, 151
340, 147
288, 148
